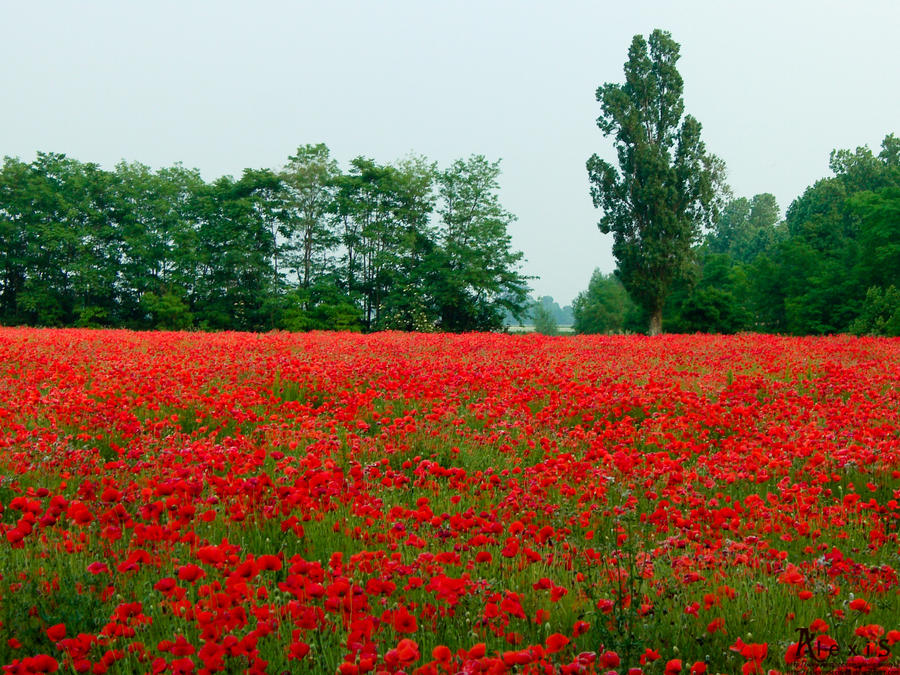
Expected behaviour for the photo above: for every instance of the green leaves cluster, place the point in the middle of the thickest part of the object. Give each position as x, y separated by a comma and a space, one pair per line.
605, 307
544, 321
831, 266
402, 246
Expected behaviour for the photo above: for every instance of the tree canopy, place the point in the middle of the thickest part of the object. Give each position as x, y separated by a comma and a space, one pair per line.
831, 265
377, 246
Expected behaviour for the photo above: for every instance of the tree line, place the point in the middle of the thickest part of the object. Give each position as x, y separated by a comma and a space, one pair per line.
377, 246
717, 264
831, 265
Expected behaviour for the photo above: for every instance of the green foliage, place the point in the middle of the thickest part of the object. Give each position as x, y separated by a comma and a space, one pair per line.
879, 235
665, 189
384, 213
880, 313
746, 228
382, 246
843, 239
544, 321
606, 308
320, 307
91, 317
711, 310
561, 315
156, 215
310, 179
234, 253
766, 294
167, 311
827, 268
481, 278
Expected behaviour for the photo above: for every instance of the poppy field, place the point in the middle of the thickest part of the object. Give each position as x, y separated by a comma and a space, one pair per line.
321, 503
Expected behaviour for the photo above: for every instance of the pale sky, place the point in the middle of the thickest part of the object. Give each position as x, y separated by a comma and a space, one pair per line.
222, 86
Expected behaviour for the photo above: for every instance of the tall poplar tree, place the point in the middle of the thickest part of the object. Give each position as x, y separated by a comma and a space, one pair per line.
664, 190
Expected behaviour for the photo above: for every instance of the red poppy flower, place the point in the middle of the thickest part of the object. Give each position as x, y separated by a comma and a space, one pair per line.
860, 605
556, 642
190, 573
404, 622
56, 632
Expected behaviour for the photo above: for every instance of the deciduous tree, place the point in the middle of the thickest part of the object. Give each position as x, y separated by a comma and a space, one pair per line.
481, 278
311, 176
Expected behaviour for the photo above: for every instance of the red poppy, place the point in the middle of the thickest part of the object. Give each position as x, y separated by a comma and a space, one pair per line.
56, 632
860, 605
404, 622
190, 573
556, 642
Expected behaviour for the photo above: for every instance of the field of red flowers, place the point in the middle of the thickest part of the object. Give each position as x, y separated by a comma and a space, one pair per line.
186, 503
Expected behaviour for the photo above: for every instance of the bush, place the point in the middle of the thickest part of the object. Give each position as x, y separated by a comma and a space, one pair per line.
605, 307
544, 321
319, 308
169, 312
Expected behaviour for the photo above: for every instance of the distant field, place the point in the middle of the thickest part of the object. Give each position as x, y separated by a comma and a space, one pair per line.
320, 503
562, 330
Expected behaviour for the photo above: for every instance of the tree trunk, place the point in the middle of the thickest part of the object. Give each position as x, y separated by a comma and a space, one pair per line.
656, 322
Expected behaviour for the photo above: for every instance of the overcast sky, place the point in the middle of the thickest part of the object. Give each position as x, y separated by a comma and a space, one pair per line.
221, 86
